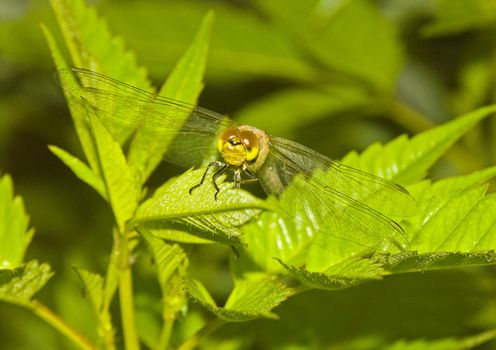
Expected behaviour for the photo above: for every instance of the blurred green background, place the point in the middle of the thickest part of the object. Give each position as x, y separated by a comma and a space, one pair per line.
333, 75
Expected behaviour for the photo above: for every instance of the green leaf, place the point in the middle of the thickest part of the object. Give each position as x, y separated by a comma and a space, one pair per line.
318, 233
406, 161
113, 270
302, 233
92, 46
454, 226
321, 27
171, 263
401, 160
172, 210
444, 344
243, 43
414, 262
184, 84
372, 33
77, 110
199, 293
454, 215
93, 288
455, 16
121, 187
15, 234
19, 285
81, 170
268, 237
248, 300
257, 297
339, 229
343, 275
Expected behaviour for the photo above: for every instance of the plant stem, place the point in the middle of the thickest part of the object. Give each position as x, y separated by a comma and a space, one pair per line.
479, 339
196, 338
105, 330
409, 118
126, 295
56, 322
165, 335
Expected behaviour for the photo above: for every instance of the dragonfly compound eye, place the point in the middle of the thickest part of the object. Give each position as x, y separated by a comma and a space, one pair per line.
250, 141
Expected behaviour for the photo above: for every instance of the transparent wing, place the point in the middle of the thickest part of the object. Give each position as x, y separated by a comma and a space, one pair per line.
337, 199
189, 131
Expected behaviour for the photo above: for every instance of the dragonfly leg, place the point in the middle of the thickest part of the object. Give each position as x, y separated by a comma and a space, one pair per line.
247, 181
210, 165
252, 177
250, 174
237, 178
218, 173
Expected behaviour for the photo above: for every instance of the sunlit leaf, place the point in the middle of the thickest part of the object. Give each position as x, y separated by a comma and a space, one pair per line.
172, 210
93, 287
405, 160
15, 234
342, 275
454, 215
120, 184
248, 300
185, 84
414, 262
80, 169
77, 110
171, 262
19, 285
91, 44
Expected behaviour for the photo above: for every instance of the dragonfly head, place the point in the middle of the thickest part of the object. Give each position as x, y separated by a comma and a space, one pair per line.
238, 146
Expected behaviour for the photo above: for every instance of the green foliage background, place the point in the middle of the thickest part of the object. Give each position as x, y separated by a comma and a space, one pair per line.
377, 69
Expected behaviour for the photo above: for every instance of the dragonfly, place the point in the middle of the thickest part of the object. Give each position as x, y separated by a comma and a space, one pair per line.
326, 195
